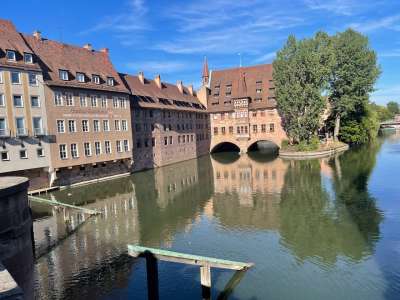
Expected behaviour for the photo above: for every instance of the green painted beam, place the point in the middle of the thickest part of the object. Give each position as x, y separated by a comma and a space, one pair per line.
52, 202
190, 259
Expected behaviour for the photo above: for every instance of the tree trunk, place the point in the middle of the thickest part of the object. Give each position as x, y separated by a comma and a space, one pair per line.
337, 128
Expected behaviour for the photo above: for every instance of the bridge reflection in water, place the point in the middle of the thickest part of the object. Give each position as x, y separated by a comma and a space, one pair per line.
214, 206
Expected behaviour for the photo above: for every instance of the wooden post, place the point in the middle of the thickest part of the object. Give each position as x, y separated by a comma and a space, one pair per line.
152, 277
205, 279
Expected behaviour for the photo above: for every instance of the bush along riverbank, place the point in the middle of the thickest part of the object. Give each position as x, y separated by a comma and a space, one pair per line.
312, 150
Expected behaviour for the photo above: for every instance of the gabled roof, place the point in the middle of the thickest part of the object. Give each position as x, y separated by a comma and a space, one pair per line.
11, 39
149, 95
55, 56
244, 83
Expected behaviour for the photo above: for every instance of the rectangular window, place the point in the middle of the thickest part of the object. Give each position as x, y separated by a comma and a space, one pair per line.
117, 125
33, 79
96, 79
60, 126
1, 76
96, 125
271, 127
74, 151
103, 101
37, 126
2, 101
35, 101
223, 130
97, 148
115, 102
40, 152
80, 77
215, 130
28, 58
71, 125
58, 99
126, 145
153, 142
3, 127
69, 99
5, 156
93, 101
15, 78
18, 101
23, 154
63, 74
165, 140
106, 125
124, 125
110, 81
88, 149
231, 129
107, 147
254, 128
119, 148
83, 100
122, 103
263, 128
10, 55
170, 140
20, 124
85, 125
63, 151
258, 91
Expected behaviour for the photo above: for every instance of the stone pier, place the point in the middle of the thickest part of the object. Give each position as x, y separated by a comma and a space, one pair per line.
16, 246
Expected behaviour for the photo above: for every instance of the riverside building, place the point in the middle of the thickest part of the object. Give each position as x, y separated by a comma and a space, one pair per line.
169, 123
24, 138
242, 107
88, 112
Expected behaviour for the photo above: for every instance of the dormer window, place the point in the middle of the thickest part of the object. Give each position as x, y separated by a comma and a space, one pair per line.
28, 58
63, 74
80, 77
11, 55
96, 79
110, 81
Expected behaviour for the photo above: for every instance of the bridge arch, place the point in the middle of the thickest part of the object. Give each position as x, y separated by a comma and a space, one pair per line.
225, 147
266, 146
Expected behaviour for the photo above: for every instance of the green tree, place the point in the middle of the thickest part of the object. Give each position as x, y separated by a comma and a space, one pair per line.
301, 72
353, 76
393, 107
383, 114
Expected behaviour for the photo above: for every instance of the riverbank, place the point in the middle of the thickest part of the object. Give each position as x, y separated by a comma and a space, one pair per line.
323, 151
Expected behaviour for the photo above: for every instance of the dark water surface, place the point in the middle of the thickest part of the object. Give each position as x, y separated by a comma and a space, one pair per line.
317, 229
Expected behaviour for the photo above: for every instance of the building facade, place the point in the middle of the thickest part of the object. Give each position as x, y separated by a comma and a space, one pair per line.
169, 124
242, 107
24, 139
88, 112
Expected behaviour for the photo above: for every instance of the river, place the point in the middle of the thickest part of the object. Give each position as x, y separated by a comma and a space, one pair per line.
316, 229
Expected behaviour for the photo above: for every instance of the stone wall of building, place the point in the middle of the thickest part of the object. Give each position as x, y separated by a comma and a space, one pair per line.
16, 246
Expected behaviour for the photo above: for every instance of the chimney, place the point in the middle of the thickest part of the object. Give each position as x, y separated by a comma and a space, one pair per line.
88, 47
37, 34
104, 50
190, 88
157, 79
180, 86
141, 77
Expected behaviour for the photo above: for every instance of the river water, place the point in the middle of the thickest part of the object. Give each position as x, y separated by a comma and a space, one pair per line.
316, 229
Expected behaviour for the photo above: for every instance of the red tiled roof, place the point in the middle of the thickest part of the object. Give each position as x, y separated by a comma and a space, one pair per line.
170, 92
55, 56
245, 81
11, 39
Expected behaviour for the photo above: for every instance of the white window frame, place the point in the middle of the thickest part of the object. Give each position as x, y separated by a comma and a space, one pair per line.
80, 75
37, 152
38, 99
74, 152
8, 155
95, 79
63, 74
14, 58
98, 127
107, 147
83, 100
59, 121
117, 128
19, 77
22, 101
64, 150
126, 145
1, 76
106, 128
2, 100
71, 121
30, 55
93, 100
24, 150
36, 83
115, 102
87, 127
41, 124
119, 146
69, 99
124, 125
89, 152
110, 81
97, 143
104, 102
58, 99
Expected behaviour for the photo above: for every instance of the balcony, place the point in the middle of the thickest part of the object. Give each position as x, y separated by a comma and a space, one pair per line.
4, 133
22, 132
39, 132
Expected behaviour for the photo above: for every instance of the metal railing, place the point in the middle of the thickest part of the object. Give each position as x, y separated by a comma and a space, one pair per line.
22, 132
39, 131
5, 133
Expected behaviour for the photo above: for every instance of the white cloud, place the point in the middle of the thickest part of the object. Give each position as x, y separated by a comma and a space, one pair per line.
159, 67
266, 58
388, 22
339, 7
391, 53
385, 94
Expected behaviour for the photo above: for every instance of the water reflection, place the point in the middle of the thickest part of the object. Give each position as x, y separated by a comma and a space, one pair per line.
317, 211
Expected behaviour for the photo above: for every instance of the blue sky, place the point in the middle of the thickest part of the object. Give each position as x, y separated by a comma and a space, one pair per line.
172, 37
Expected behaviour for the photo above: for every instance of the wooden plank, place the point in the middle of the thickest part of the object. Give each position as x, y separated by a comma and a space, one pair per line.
152, 277
205, 279
190, 259
52, 202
